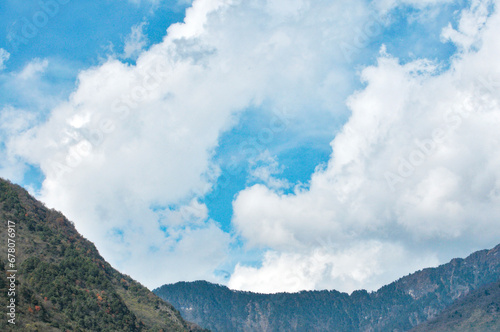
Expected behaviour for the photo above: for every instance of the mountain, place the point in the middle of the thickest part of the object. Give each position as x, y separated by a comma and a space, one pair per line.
399, 306
478, 311
61, 282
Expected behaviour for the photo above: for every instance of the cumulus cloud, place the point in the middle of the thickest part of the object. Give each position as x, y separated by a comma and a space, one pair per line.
129, 152
320, 267
4, 57
415, 169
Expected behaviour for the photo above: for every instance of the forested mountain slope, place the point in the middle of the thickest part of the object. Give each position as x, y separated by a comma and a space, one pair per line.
62, 283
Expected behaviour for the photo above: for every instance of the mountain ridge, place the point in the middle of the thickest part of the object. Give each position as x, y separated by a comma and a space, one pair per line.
399, 306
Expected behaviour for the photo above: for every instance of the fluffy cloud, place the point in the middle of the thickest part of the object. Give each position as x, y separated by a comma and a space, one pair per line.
415, 169
131, 148
320, 267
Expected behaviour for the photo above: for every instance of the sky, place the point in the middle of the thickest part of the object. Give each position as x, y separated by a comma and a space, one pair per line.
267, 145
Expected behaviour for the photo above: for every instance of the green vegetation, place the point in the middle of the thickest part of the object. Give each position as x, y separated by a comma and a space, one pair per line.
63, 284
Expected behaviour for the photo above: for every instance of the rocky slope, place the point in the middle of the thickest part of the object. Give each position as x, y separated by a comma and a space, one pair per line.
479, 311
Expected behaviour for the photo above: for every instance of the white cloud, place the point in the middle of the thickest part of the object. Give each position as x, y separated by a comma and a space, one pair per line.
4, 57
33, 69
135, 142
416, 164
135, 42
470, 24
194, 213
265, 168
360, 266
33, 86
12, 122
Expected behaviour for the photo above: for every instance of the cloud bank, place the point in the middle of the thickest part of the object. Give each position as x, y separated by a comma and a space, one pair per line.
133, 145
415, 169
130, 154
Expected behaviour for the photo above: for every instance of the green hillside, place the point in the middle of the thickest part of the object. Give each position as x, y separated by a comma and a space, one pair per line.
62, 283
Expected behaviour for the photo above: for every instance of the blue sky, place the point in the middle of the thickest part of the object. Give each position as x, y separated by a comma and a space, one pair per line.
267, 145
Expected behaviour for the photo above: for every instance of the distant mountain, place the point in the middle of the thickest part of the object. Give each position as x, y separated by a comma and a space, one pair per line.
400, 306
62, 283
479, 311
